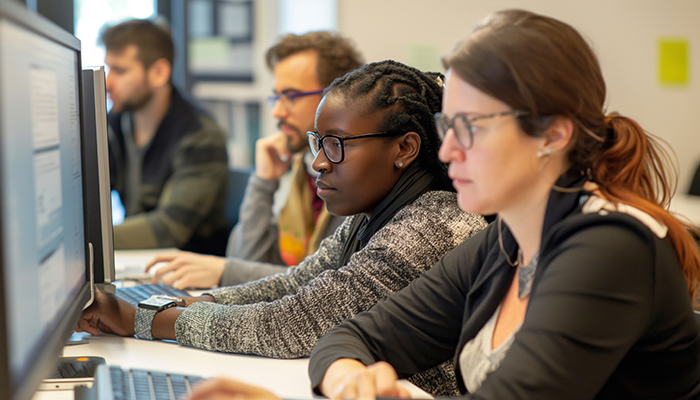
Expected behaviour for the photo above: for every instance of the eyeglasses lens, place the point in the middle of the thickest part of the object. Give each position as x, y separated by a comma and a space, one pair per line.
462, 130
333, 148
459, 123
286, 102
314, 145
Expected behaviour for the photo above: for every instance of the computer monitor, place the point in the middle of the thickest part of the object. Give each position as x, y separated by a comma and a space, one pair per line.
97, 180
44, 257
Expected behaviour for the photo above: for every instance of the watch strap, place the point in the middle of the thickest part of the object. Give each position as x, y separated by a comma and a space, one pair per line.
144, 322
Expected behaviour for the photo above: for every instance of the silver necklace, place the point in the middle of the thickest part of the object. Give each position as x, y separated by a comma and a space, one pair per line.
526, 274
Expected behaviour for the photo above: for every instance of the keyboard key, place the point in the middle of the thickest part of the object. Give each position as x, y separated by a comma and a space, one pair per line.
144, 385
136, 294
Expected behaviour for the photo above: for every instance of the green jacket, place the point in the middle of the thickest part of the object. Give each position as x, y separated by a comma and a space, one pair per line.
174, 188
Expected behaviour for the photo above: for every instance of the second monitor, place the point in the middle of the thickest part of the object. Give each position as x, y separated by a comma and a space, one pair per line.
97, 180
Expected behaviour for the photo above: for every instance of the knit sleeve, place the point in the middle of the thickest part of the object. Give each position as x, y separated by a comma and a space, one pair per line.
288, 327
276, 286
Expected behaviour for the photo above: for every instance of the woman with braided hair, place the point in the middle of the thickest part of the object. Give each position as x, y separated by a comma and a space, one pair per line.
375, 147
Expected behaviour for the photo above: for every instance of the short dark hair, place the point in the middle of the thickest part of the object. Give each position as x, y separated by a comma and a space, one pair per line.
152, 40
336, 55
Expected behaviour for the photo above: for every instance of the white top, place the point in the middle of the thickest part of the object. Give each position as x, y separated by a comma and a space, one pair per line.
478, 358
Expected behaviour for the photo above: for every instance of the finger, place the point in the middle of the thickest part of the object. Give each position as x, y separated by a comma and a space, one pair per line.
386, 380
172, 266
184, 283
161, 258
402, 392
344, 391
348, 389
86, 326
191, 278
223, 388
174, 276
366, 386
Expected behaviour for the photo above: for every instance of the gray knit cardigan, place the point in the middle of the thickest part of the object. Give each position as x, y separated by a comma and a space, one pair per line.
284, 315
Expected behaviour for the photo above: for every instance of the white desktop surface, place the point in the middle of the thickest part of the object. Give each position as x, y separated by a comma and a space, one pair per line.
286, 378
131, 263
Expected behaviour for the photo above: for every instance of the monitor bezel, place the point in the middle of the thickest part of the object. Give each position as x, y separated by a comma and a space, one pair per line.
45, 358
99, 223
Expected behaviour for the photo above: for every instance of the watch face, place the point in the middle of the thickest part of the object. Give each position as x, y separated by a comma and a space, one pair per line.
155, 303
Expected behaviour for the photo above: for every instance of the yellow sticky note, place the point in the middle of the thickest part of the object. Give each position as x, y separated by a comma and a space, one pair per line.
673, 61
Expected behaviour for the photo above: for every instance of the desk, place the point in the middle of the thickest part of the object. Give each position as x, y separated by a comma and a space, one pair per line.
131, 263
286, 378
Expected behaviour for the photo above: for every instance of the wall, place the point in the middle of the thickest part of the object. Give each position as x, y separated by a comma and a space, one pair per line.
623, 33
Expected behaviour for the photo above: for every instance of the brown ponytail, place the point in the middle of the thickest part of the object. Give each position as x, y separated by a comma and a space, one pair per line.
637, 170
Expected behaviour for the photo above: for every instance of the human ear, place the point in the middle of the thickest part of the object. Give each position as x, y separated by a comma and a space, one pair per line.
409, 147
159, 73
557, 137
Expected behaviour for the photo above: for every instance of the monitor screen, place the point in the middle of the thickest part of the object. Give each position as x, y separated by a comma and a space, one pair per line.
43, 251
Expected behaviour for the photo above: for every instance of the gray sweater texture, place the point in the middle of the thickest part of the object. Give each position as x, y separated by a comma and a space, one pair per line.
284, 315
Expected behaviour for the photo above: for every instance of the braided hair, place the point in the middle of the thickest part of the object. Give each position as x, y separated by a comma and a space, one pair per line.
410, 98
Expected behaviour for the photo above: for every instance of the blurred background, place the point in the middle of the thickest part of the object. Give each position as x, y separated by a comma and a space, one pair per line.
645, 47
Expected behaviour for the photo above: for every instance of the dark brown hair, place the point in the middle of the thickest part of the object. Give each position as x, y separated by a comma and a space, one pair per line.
336, 55
152, 40
545, 67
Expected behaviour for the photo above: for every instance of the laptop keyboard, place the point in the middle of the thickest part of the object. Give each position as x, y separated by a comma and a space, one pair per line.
136, 384
136, 294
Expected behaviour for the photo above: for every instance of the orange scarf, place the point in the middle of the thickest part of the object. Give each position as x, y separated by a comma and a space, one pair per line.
299, 234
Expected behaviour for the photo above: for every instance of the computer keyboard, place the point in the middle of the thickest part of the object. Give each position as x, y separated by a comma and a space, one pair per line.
137, 384
136, 294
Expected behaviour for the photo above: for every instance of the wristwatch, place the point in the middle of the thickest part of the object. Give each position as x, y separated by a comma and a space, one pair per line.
147, 310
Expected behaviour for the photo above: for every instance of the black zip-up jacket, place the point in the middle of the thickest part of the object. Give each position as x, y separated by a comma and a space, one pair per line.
609, 315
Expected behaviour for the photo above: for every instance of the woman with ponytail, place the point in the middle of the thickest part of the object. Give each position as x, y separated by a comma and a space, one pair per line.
582, 288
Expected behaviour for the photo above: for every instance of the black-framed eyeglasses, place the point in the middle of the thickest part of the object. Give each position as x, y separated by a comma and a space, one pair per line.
288, 99
334, 146
462, 125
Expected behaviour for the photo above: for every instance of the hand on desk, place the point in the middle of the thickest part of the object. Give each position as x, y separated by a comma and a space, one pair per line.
221, 389
110, 314
185, 269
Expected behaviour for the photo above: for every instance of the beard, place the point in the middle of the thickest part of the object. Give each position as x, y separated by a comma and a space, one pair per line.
298, 145
136, 102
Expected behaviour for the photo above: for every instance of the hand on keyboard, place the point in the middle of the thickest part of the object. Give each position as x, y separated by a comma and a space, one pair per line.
185, 269
108, 314
229, 389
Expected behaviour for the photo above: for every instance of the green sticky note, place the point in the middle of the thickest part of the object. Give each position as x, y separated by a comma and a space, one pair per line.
424, 56
210, 49
673, 61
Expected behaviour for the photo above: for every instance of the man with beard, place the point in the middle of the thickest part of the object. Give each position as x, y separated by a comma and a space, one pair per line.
167, 158
281, 220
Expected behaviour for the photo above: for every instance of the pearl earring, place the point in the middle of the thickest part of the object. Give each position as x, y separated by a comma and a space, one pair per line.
545, 151
399, 164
